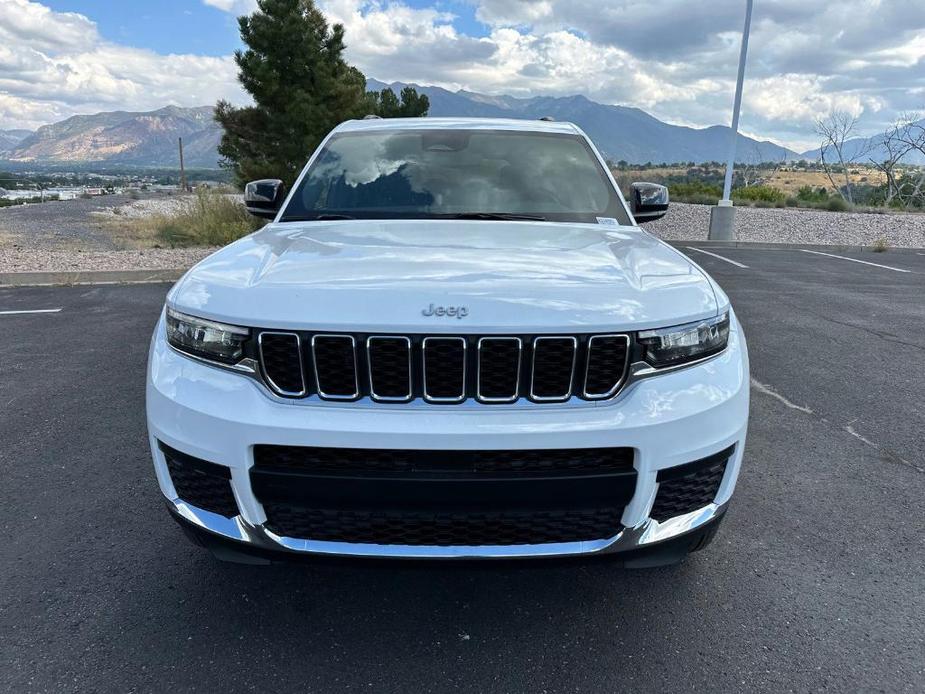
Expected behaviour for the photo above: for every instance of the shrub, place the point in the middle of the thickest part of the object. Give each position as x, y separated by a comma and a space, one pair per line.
881, 245
758, 193
837, 204
810, 194
695, 191
792, 201
209, 219
763, 203
699, 199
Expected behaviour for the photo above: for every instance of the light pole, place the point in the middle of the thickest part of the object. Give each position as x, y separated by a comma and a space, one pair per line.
722, 217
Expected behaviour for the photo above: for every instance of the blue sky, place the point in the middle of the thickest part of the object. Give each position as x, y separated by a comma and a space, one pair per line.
167, 26
183, 26
670, 58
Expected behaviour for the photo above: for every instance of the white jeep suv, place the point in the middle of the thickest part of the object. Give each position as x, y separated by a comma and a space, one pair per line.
452, 341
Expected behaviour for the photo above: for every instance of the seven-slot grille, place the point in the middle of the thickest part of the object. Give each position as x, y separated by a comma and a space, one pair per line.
444, 369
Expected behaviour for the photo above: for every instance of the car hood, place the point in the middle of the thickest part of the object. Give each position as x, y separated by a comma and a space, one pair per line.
383, 276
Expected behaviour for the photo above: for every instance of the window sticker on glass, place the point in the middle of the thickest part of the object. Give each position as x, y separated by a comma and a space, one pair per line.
608, 221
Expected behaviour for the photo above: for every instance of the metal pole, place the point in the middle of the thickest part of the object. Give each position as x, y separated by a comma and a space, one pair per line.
734, 134
183, 169
722, 217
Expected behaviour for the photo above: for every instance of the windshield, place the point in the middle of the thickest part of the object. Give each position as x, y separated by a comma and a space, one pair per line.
433, 174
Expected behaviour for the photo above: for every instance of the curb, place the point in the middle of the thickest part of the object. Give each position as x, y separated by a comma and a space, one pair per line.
49, 279
769, 246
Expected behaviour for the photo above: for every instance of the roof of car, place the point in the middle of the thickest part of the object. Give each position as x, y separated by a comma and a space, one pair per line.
460, 124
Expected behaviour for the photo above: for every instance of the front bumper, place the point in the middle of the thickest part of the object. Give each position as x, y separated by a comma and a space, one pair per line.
668, 420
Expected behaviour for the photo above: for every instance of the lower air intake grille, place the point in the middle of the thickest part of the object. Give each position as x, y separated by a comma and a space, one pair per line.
421, 497
200, 483
689, 487
442, 529
343, 460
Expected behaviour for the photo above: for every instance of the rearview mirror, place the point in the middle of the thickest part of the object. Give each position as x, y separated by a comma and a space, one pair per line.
649, 201
263, 198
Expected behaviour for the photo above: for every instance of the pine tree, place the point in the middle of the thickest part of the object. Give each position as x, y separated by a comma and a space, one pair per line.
387, 105
301, 86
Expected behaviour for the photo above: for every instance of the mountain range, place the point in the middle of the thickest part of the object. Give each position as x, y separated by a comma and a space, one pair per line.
620, 132
149, 139
123, 138
865, 149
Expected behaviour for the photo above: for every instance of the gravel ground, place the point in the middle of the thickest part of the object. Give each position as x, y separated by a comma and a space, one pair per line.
32, 260
139, 209
785, 225
76, 235
75, 225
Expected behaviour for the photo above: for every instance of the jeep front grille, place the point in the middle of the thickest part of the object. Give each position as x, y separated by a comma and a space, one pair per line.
491, 369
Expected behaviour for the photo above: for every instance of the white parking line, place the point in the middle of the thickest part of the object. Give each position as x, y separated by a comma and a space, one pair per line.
732, 262
36, 310
855, 260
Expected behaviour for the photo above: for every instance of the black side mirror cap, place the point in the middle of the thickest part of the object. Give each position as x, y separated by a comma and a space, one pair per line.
263, 198
649, 201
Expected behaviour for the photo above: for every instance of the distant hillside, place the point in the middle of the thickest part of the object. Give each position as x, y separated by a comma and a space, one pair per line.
863, 149
126, 138
619, 132
10, 138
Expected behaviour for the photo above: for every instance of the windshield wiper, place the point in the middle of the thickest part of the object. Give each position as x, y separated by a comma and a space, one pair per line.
496, 215
324, 216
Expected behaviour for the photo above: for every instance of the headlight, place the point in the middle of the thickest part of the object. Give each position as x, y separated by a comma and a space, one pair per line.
685, 343
205, 338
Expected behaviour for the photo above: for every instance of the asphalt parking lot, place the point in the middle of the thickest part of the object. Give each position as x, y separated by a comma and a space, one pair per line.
815, 582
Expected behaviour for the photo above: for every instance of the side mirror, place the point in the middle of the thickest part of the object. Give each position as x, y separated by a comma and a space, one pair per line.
263, 198
649, 202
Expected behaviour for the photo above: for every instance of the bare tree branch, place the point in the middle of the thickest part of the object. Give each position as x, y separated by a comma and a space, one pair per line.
836, 130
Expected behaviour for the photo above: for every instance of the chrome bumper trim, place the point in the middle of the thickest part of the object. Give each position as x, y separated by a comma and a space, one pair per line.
256, 536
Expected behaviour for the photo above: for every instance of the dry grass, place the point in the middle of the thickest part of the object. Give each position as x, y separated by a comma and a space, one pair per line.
786, 181
789, 182
206, 220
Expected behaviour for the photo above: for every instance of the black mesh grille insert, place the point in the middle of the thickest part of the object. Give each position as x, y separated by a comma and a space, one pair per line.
443, 529
282, 362
335, 365
389, 367
686, 488
445, 368
200, 483
499, 368
418, 497
341, 460
607, 360
553, 363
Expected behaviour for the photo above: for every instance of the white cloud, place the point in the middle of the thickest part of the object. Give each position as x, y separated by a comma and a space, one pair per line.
40, 29
235, 6
669, 57
54, 65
